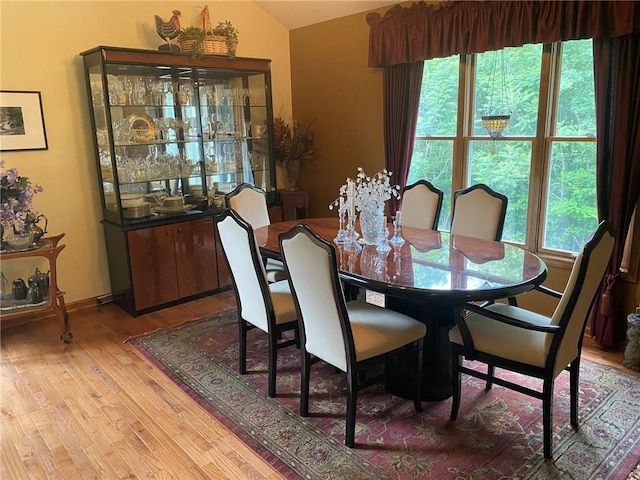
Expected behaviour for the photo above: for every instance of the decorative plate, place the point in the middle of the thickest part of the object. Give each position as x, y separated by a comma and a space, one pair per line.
142, 126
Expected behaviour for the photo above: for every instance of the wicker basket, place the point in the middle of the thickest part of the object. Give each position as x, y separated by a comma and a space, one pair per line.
211, 45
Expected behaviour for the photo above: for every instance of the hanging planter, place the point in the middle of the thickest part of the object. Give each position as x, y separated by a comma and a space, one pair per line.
495, 124
498, 109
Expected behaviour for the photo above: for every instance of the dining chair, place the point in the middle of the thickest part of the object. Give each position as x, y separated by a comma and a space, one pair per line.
478, 211
518, 340
350, 336
250, 202
263, 305
421, 205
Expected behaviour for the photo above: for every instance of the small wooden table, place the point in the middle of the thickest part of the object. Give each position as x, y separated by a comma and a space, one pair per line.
53, 301
295, 204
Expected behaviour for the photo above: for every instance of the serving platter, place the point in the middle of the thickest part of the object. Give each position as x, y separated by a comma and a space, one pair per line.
170, 210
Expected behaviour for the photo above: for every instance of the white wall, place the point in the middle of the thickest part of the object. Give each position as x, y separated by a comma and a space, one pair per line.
40, 44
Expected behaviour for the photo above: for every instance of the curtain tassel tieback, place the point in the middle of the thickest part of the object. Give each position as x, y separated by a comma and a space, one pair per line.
606, 303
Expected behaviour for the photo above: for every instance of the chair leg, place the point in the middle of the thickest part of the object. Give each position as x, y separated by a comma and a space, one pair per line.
490, 373
574, 377
547, 416
417, 401
304, 383
273, 361
456, 378
242, 358
352, 394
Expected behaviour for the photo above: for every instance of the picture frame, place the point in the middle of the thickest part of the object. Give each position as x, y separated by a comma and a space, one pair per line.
21, 121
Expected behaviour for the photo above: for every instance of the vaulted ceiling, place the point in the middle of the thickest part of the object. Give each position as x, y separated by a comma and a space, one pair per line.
300, 13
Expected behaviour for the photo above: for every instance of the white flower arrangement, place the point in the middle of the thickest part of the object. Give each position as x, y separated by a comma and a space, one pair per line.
369, 193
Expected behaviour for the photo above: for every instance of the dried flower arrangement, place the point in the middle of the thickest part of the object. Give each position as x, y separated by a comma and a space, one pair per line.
293, 145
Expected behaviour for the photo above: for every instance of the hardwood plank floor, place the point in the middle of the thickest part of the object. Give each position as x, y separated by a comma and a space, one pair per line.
95, 409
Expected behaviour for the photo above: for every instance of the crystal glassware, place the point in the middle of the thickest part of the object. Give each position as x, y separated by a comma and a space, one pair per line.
397, 239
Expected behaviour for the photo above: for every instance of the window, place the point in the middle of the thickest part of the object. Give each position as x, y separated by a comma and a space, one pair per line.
545, 159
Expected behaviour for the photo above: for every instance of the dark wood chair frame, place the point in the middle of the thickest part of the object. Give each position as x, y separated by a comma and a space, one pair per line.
275, 331
546, 373
356, 371
493, 193
435, 190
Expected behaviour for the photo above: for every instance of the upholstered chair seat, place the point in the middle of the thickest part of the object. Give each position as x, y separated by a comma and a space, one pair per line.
263, 305
512, 338
479, 212
421, 205
350, 336
250, 203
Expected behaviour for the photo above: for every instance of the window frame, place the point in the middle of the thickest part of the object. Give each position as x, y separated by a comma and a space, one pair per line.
541, 143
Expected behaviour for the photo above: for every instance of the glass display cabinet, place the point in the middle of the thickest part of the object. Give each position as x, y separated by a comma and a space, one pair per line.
172, 134
171, 125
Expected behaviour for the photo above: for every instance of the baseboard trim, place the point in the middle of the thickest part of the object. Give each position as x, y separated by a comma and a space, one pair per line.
37, 316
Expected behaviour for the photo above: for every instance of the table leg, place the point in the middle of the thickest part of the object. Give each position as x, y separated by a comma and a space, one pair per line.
63, 318
438, 316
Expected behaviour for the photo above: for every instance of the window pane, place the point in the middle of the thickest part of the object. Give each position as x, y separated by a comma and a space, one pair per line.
433, 161
506, 171
439, 97
576, 103
571, 215
517, 90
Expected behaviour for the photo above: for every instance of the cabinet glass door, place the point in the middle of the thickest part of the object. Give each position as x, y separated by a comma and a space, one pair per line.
235, 136
154, 120
167, 125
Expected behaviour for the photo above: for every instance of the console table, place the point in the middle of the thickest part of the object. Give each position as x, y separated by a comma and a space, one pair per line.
53, 301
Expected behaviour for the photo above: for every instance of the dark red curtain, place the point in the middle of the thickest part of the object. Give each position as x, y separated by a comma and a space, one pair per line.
424, 31
617, 75
401, 86
407, 35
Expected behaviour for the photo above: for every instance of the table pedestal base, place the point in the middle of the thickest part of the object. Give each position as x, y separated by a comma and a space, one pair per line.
437, 383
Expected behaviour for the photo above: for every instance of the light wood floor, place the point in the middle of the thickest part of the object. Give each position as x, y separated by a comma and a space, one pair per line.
94, 409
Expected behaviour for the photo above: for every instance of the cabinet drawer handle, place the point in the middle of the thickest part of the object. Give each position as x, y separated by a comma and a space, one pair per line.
166, 232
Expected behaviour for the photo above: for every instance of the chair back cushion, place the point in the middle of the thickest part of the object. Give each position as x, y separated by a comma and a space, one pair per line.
479, 212
573, 308
247, 271
251, 205
421, 204
313, 279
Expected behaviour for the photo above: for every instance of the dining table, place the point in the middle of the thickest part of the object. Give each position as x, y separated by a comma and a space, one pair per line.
428, 277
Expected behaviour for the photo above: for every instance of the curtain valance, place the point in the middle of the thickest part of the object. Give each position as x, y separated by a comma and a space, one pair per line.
427, 30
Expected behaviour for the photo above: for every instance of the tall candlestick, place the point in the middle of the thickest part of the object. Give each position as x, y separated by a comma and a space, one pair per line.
351, 196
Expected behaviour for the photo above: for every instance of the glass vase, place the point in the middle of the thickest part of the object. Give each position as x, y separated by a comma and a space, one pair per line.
370, 224
292, 172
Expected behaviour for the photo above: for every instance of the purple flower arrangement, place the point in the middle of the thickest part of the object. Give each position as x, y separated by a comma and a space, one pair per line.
16, 195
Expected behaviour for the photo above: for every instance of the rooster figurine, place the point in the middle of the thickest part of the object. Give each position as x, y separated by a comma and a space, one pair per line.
169, 30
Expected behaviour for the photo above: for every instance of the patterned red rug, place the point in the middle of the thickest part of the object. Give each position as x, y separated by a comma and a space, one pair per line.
498, 434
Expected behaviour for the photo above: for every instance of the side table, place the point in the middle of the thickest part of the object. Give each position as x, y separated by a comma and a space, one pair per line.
53, 301
295, 204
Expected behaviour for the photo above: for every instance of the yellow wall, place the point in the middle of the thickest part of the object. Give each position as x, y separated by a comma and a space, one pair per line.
332, 83
40, 43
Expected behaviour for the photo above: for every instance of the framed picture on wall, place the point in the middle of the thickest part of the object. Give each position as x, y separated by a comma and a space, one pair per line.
21, 121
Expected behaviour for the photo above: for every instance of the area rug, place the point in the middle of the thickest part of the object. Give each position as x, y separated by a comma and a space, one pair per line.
498, 434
